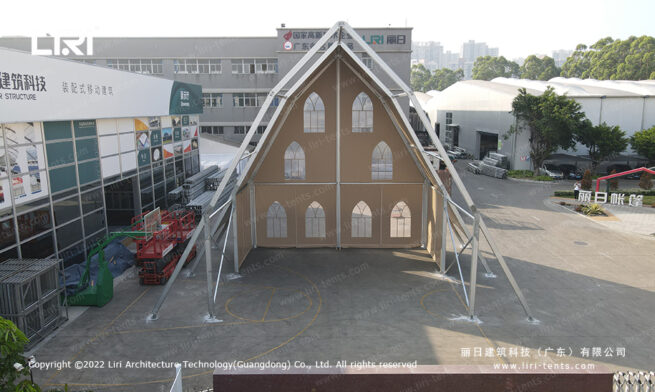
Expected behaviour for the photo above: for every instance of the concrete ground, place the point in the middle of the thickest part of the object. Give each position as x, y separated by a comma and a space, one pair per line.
588, 286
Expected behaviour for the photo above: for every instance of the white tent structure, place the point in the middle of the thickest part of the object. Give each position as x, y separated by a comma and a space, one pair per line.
285, 93
472, 112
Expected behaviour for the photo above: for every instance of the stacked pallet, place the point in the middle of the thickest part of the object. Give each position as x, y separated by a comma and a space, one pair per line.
31, 295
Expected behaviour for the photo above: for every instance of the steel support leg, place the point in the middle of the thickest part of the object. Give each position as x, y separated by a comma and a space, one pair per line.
220, 265
474, 263
508, 273
208, 267
444, 233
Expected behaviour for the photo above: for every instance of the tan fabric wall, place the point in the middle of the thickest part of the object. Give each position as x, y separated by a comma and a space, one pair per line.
357, 148
320, 173
435, 216
244, 240
381, 199
319, 148
295, 199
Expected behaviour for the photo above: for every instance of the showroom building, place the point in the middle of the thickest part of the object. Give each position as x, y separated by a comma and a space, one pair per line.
84, 148
476, 114
235, 73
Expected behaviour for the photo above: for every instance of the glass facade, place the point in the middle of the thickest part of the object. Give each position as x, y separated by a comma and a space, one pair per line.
60, 180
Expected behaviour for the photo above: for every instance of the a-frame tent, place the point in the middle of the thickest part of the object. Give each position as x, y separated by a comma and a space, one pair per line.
442, 208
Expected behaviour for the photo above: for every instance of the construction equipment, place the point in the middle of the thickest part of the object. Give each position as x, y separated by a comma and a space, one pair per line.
160, 238
100, 291
166, 236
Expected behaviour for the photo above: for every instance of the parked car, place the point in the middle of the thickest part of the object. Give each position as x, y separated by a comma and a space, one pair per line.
551, 171
570, 171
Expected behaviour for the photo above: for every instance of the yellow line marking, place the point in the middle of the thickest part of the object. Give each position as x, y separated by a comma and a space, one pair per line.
427, 294
81, 350
168, 380
309, 306
268, 305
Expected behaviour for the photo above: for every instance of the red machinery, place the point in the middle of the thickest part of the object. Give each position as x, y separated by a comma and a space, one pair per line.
158, 252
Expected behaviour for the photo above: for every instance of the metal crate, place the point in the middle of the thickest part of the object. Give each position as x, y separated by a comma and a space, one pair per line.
31, 294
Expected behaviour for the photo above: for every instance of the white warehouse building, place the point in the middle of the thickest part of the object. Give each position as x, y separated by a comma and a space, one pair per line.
476, 114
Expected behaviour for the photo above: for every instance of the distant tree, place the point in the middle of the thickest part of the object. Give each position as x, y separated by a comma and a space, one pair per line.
420, 78
603, 141
614, 182
445, 77
552, 120
488, 67
586, 180
645, 181
630, 59
536, 68
644, 143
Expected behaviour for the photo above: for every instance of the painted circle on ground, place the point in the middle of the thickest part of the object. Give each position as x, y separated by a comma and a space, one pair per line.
287, 303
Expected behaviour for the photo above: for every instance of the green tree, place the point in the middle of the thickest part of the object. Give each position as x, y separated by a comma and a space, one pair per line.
488, 67
614, 182
553, 121
644, 143
603, 141
645, 181
12, 345
420, 78
629, 59
536, 68
445, 77
586, 180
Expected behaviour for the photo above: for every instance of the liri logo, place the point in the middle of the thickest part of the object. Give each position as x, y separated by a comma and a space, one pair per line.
58, 46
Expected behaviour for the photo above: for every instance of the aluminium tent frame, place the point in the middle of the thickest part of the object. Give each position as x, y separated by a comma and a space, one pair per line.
211, 220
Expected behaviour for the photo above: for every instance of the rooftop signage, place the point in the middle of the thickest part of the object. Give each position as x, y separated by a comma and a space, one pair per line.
38, 88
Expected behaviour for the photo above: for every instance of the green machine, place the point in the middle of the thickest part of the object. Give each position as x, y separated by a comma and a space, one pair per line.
98, 292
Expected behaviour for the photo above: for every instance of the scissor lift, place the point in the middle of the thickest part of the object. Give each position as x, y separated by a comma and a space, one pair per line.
158, 252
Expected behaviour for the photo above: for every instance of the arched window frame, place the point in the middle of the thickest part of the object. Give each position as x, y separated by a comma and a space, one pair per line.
401, 221
294, 162
362, 114
382, 162
276, 221
361, 221
315, 221
314, 114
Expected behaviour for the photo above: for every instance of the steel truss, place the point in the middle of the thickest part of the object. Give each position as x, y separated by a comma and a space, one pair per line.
212, 219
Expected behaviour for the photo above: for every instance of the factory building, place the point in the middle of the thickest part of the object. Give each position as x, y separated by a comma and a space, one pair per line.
84, 148
476, 114
235, 73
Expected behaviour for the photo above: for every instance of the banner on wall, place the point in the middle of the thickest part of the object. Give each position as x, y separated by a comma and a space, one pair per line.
154, 123
156, 154
177, 134
25, 158
155, 137
167, 135
187, 145
194, 144
141, 124
143, 157
54, 89
168, 151
186, 133
178, 149
142, 141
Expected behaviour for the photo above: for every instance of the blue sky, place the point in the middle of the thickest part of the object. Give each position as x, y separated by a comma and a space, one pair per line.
518, 28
